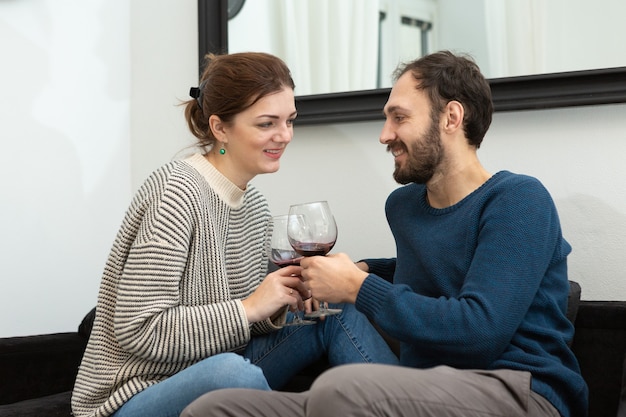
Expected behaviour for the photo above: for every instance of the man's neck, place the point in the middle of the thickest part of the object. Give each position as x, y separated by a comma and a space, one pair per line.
455, 182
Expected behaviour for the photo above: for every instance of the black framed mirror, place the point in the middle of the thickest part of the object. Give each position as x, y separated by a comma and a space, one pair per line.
564, 89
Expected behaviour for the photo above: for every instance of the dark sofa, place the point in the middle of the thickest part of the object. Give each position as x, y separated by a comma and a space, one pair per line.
37, 372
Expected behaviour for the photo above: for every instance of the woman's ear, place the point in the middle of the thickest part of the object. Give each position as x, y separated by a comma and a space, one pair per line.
218, 128
453, 116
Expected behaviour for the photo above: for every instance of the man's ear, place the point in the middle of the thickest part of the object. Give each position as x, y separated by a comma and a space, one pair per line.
218, 128
453, 116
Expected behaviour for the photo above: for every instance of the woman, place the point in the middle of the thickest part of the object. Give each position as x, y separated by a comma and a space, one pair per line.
185, 290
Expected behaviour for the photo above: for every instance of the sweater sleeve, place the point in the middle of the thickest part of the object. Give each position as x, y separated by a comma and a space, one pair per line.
151, 320
151, 323
383, 267
517, 243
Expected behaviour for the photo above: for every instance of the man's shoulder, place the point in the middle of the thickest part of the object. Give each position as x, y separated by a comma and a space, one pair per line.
519, 187
410, 189
511, 179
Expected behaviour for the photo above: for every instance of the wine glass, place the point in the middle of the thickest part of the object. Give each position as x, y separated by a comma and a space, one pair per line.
312, 230
282, 254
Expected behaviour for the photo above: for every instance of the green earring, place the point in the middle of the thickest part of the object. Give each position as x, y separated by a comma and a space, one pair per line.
222, 151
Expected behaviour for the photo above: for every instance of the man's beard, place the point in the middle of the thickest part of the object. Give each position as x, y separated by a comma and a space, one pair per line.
423, 159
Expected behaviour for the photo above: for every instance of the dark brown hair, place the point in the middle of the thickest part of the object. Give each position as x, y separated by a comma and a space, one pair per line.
229, 85
446, 77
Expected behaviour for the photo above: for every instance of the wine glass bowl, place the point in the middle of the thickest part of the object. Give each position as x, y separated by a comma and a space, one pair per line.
312, 230
282, 254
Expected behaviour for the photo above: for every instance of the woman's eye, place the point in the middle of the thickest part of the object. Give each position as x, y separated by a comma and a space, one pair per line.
266, 124
290, 122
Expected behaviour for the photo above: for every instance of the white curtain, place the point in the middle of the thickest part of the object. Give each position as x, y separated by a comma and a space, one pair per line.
329, 45
515, 36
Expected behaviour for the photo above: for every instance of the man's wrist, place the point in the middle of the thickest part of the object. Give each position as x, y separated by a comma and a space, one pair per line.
358, 283
363, 266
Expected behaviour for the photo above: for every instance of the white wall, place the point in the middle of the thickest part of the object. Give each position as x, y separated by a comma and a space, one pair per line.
164, 65
65, 171
88, 109
78, 80
578, 154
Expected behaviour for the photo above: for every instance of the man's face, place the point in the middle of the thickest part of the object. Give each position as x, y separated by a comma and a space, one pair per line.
411, 133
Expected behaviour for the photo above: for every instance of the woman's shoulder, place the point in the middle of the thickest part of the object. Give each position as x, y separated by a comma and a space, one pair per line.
254, 201
175, 181
175, 172
253, 193
165, 171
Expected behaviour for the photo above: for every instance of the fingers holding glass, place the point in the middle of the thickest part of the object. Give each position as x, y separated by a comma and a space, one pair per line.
311, 231
282, 254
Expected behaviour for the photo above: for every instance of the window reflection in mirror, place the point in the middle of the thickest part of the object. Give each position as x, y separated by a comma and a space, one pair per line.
337, 46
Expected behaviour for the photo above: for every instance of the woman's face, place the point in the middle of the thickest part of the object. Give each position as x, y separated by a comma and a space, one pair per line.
257, 137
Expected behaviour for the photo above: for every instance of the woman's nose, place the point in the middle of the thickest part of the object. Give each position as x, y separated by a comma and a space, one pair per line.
285, 134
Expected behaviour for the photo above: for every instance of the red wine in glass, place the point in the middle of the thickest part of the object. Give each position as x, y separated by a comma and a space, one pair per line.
312, 249
312, 231
282, 258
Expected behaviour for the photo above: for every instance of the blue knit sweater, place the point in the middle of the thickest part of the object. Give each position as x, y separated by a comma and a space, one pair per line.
481, 284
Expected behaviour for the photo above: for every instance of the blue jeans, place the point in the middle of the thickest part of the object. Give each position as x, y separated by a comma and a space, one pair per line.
345, 338
276, 358
169, 397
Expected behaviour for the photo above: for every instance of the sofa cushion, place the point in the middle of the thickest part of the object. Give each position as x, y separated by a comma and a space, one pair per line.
84, 329
621, 408
573, 300
35, 366
599, 345
57, 405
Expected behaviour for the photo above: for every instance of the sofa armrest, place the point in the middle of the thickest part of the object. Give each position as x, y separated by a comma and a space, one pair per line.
36, 366
599, 345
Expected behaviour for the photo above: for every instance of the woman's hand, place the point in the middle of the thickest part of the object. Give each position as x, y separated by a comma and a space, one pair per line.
311, 305
280, 288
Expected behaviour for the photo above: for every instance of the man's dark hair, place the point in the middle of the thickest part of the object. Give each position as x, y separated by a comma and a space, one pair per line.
445, 76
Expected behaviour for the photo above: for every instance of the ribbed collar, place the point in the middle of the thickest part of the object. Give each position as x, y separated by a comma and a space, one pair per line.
223, 187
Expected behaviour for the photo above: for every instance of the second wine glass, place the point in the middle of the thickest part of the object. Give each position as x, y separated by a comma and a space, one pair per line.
282, 254
312, 230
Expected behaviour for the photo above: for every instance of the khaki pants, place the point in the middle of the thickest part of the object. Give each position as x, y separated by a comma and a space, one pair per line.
383, 390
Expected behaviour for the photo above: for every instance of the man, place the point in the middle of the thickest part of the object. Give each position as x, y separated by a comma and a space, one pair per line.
477, 293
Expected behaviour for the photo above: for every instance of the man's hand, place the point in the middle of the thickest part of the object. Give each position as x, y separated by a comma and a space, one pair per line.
332, 278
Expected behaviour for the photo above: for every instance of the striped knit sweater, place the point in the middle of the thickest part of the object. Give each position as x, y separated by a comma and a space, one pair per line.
191, 246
